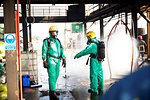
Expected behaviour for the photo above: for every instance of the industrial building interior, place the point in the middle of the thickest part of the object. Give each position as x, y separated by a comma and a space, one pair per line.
20, 17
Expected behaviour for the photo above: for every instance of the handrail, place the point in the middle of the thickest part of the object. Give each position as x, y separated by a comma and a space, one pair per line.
48, 11
43, 10
93, 8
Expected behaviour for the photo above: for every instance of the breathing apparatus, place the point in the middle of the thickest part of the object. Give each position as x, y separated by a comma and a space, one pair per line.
53, 30
89, 41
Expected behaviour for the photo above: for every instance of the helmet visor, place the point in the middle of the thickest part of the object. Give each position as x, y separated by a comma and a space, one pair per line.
54, 34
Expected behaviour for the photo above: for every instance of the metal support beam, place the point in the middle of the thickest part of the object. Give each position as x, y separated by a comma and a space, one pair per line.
29, 12
148, 32
108, 10
30, 35
46, 19
101, 29
126, 19
147, 19
24, 24
134, 23
101, 24
85, 29
11, 55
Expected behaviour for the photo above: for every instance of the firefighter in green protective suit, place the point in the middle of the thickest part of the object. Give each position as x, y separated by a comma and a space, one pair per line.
96, 71
52, 53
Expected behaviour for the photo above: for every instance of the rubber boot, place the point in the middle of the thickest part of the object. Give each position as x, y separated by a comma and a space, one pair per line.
53, 95
90, 91
94, 96
57, 93
100, 92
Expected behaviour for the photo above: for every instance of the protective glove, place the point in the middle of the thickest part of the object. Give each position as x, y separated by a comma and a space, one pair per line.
76, 56
45, 64
64, 62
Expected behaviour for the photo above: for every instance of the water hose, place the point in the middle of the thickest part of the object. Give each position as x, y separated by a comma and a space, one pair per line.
65, 73
114, 28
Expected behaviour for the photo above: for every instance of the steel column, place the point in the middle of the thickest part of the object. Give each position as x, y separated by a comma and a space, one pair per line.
11, 55
85, 29
24, 25
126, 19
101, 29
101, 24
134, 23
30, 35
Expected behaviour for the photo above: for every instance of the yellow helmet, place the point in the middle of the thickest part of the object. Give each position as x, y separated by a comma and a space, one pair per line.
91, 34
53, 28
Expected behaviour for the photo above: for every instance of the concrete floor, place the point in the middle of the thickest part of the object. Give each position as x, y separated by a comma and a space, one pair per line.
77, 93
74, 87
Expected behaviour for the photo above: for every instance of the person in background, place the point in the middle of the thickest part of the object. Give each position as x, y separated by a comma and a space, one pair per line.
52, 53
141, 46
96, 71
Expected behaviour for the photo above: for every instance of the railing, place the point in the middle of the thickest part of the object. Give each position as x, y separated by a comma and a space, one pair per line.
1, 12
43, 10
48, 11
38, 10
90, 8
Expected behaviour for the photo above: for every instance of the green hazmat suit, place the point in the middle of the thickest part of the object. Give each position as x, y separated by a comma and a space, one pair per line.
55, 50
96, 71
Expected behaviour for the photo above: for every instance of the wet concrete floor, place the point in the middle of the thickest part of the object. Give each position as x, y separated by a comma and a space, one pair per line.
74, 87
65, 93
